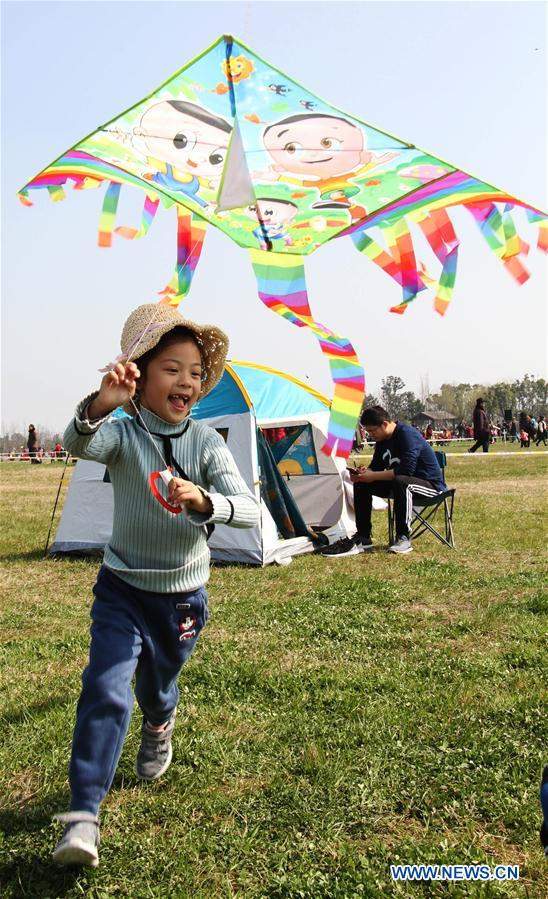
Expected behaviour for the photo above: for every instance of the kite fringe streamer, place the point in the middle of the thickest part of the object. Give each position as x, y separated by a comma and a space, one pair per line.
282, 288
108, 217
191, 231
150, 209
501, 236
398, 261
108, 214
440, 234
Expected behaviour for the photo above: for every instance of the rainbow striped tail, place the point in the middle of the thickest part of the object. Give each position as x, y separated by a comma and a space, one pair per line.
282, 288
191, 230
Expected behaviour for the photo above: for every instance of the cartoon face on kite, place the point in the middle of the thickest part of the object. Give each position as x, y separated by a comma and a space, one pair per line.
240, 67
317, 146
191, 142
273, 216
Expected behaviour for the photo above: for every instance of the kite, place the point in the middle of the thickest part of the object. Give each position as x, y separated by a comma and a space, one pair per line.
231, 141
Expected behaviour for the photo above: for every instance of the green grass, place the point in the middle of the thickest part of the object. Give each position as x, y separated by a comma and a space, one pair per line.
336, 717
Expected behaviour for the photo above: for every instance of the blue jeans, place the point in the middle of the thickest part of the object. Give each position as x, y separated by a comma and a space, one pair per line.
136, 632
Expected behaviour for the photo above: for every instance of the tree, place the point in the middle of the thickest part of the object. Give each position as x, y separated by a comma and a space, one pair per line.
410, 406
459, 399
401, 406
498, 398
370, 400
391, 386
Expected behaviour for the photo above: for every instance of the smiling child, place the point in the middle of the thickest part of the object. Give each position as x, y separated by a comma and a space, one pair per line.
150, 601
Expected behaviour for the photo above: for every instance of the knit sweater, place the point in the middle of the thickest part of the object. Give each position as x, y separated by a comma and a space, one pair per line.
150, 547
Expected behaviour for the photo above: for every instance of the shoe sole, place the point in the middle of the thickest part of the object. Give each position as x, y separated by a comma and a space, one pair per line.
76, 853
351, 552
158, 773
400, 552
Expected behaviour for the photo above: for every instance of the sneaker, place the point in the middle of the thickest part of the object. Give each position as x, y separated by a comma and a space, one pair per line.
78, 845
347, 546
401, 546
155, 752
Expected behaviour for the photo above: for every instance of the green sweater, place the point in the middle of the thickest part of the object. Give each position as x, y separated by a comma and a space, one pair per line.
150, 547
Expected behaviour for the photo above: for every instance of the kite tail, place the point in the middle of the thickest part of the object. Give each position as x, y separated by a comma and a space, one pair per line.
108, 216
542, 220
150, 209
501, 236
282, 288
398, 261
191, 231
440, 234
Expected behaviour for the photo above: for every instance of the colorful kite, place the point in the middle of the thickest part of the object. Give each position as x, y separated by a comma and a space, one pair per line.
232, 141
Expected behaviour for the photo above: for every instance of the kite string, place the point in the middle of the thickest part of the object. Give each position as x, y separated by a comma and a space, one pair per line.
132, 353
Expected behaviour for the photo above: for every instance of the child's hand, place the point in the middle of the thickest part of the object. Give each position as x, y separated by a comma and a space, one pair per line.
185, 493
117, 387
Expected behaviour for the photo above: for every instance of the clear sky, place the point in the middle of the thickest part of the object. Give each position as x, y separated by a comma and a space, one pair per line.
465, 81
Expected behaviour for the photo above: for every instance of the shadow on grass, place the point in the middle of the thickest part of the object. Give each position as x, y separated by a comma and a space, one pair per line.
36, 710
31, 555
28, 874
36, 878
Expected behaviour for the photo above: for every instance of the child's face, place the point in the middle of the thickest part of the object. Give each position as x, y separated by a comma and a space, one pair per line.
173, 381
319, 147
184, 142
272, 212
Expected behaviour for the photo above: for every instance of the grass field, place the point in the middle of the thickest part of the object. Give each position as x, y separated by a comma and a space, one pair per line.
337, 716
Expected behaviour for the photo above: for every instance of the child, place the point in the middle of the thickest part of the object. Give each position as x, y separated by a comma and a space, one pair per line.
150, 601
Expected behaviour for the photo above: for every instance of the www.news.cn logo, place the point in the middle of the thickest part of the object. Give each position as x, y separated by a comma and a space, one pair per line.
454, 872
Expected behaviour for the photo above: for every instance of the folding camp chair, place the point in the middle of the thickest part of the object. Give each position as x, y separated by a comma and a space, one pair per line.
424, 511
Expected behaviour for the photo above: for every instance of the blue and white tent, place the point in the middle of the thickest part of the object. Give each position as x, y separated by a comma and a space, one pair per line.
247, 397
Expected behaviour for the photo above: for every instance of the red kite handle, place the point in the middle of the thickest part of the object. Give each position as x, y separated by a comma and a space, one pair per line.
154, 477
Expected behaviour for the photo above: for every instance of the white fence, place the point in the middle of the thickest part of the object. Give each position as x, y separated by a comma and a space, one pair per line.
47, 457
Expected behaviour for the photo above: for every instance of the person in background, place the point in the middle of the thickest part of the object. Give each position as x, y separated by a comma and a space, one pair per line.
541, 431
481, 427
403, 466
32, 445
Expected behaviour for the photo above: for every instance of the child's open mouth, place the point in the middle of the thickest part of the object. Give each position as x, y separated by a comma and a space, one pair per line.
178, 401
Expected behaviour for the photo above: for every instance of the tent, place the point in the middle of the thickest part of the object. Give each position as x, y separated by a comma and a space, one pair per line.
247, 398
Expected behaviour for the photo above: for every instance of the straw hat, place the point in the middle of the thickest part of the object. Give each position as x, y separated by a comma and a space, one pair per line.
147, 324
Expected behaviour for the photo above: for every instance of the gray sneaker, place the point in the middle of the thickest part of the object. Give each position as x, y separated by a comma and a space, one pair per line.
155, 752
401, 546
78, 845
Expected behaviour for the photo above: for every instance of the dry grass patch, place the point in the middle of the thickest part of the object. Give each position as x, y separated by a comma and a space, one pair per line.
24, 785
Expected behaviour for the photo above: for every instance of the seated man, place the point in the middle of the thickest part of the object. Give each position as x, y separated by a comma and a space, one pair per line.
403, 466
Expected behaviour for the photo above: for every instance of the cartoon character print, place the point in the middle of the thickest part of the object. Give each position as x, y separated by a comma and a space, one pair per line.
237, 68
390, 460
325, 151
273, 216
186, 146
279, 89
187, 627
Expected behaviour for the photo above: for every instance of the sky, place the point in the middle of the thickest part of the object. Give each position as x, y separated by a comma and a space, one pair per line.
465, 81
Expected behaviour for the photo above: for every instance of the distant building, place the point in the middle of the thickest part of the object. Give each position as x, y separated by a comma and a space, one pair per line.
438, 419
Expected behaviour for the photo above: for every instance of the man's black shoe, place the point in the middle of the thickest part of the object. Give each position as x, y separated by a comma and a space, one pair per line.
347, 546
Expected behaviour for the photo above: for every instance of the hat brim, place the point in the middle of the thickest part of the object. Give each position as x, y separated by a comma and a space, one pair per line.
212, 342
